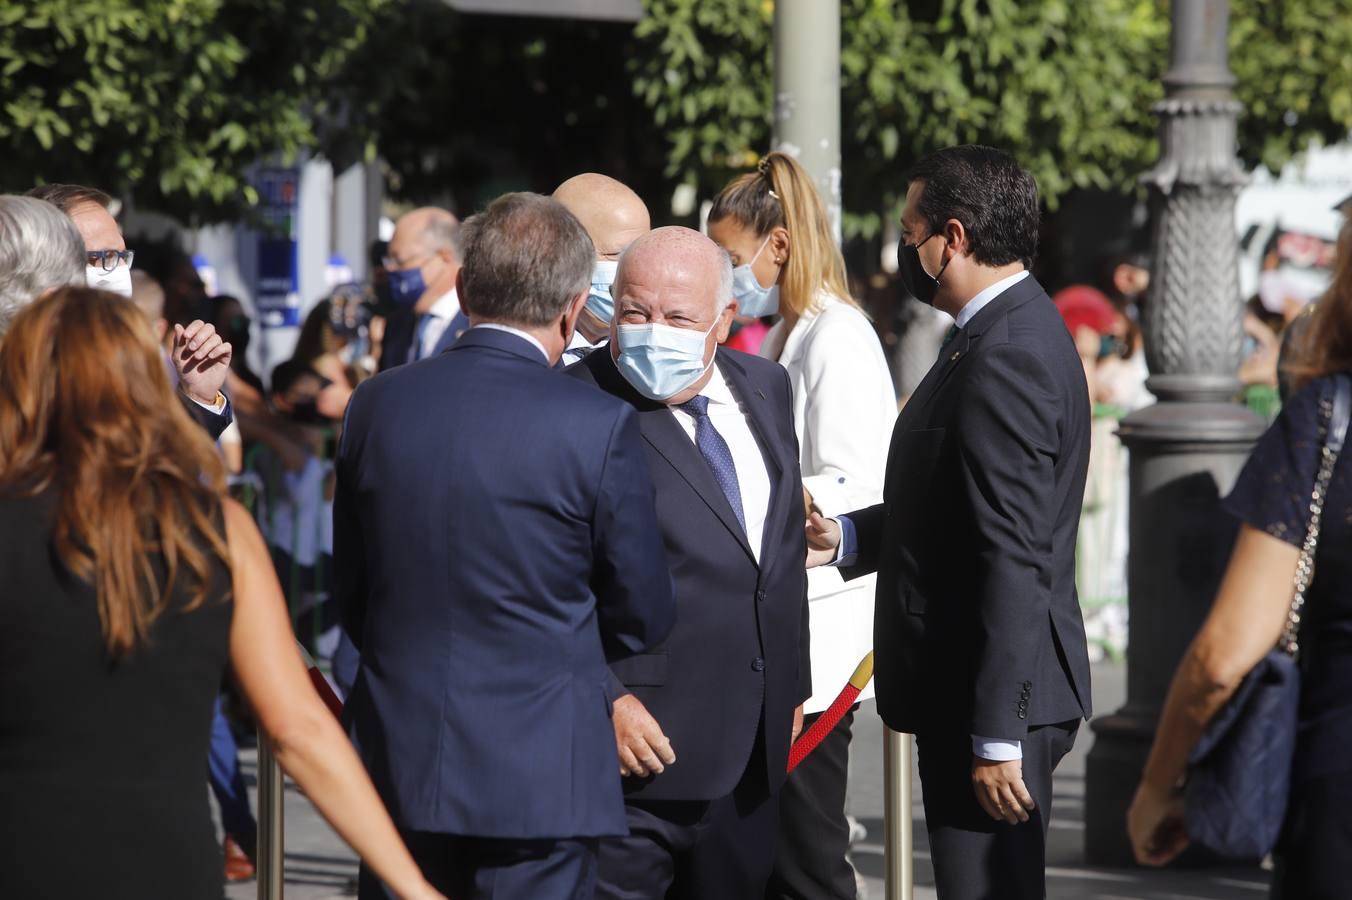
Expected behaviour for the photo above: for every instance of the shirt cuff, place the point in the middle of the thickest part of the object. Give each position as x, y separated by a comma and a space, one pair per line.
995, 749
848, 549
218, 406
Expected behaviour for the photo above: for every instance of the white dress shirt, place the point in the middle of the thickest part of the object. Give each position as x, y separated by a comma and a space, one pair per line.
753, 478
519, 333
438, 319
578, 348
981, 300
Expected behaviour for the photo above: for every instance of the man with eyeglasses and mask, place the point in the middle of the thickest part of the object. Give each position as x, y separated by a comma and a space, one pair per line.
199, 355
421, 263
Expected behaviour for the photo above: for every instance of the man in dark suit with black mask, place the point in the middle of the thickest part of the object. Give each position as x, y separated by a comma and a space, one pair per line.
980, 644
703, 721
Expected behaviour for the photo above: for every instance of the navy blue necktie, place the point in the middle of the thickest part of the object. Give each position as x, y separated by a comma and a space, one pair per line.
418, 336
716, 453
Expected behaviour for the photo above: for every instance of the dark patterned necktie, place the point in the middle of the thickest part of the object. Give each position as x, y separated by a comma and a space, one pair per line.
716, 453
951, 333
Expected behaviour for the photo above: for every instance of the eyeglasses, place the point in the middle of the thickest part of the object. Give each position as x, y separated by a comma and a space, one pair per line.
109, 259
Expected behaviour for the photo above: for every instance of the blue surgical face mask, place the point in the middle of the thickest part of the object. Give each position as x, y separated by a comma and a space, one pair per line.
406, 286
599, 301
752, 299
661, 361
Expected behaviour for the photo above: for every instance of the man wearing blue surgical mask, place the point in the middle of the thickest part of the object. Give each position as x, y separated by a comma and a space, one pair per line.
614, 217
422, 262
703, 724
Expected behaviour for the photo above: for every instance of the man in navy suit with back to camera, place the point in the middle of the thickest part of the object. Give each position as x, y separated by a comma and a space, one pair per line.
979, 640
703, 722
496, 546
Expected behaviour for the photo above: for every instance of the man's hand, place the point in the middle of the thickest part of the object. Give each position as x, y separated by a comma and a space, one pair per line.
823, 537
797, 724
202, 360
644, 749
1000, 790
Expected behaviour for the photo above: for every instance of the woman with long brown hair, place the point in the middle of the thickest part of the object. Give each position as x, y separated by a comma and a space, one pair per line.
127, 581
1273, 500
774, 226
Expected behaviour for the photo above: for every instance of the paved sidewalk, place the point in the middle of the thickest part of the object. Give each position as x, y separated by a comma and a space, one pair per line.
320, 867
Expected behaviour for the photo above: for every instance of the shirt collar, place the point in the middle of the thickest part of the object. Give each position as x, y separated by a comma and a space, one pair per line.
446, 307
519, 333
578, 342
981, 300
717, 389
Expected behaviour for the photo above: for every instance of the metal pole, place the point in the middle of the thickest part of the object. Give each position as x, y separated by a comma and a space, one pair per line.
1187, 449
271, 849
898, 858
807, 92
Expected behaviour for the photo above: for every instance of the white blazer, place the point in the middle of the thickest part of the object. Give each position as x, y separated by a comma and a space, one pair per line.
844, 407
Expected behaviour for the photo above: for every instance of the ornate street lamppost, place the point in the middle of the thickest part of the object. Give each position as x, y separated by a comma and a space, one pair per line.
1187, 449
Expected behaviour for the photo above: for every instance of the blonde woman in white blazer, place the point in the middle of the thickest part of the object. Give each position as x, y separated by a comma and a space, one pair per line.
774, 226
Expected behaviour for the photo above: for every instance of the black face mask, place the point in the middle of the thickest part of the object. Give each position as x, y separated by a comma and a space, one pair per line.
921, 284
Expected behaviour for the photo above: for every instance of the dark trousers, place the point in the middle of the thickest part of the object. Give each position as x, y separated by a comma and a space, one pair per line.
814, 834
465, 868
227, 783
1316, 840
692, 850
976, 857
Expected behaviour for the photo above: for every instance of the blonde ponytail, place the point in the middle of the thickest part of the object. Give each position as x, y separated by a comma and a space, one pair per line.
781, 193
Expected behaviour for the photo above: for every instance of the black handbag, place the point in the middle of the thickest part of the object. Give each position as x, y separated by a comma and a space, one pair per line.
1239, 775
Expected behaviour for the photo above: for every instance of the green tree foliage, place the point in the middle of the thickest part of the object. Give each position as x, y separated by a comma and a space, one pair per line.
171, 100
1066, 85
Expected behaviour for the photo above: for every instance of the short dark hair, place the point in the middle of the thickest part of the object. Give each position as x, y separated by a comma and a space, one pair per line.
526, 258
66, 197
288, 372
986, 190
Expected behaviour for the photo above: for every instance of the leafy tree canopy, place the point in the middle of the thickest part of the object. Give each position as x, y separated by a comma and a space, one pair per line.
1065, 85
171, 99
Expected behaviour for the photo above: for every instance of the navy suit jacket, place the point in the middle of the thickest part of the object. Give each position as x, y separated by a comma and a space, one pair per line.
736, 664
977, 627
496, 545
212, 422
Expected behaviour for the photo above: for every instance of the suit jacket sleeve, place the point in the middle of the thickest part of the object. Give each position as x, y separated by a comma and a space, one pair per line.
1007, 439
213, 422
349, 557
635, 598
868, 530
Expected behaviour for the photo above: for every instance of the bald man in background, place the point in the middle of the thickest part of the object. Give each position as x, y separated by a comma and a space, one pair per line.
423, 260
614, 216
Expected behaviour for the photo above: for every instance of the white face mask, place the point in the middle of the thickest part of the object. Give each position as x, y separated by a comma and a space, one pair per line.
118, 281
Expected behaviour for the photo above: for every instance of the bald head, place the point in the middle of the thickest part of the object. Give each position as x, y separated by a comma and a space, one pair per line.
613, 215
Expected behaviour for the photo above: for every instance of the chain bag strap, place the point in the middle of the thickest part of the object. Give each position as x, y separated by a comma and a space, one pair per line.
1336, 415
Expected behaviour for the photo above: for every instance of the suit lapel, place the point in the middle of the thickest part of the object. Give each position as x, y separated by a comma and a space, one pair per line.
660, 429
756, 407
952, 356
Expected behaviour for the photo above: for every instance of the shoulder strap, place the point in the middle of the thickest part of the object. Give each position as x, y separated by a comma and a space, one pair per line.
1336, 416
